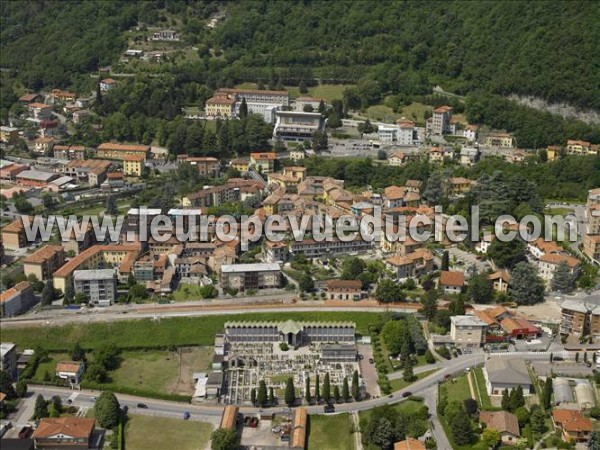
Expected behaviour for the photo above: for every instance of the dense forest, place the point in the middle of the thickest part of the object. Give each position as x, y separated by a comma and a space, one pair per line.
546, 49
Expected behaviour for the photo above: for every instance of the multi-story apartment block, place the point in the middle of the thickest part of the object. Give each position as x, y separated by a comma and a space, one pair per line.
40, 111
206, 165
440, 120
312, 248
69, 152
111, 150
467, 331
591, 247
92, 171
581, 317
14, 236
99, 286
8, 358
16, 300
549, 262
133, 165
263, 161
44, 262
250, 276
578, 147
503, 140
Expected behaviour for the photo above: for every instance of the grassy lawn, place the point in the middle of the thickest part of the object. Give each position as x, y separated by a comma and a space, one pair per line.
458, 389
49, 365
557, 211
153, 370
143, 432
479, 381
177, 331
381, 113
187, 292
415, 111
330, 432
401, 383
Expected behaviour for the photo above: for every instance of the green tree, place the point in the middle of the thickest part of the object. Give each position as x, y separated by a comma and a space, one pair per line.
57, 404
306, 283
107, 410
430, 305
47, 293
111, 205
388, 292
317, 388
537, 421
355, 386
336, 393
271, 396
47, 200
262, 397
108, 356
352, 267
563, 280
434, 190
208, 291
445, 260
77, 352
429, 358
21, 388
302, 87
459, 423
253, 396
307, 395
516, 399
490, 438
345, 390
522, 415
322, 109
326, 388
526, 287
547, 394
480, 288
6, 386
290, 392
319, 141
408, 374
80, 298
224, 439
243, 112
334, 121
69, 293
40, 409
507, 254
505, 404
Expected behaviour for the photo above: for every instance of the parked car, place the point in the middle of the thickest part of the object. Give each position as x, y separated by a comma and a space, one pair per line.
371, 361
558, 358
25, 432
391, 396
125, 408
186, 415
92, 399
142, 405
406, 394
69, 401
329, 409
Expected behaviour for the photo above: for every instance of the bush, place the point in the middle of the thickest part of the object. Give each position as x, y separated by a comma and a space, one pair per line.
443, 352
284, 347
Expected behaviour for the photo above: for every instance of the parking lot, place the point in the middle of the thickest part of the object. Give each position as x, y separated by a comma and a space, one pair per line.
368, 370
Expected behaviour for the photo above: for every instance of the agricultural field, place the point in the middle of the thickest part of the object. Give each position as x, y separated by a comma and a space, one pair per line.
164, 333
331, 432
142, 432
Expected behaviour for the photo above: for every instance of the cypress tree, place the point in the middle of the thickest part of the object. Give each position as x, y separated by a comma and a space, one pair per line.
355, 386
262, 394
290, 392
345, 390
326, 388
307, 390
317, 388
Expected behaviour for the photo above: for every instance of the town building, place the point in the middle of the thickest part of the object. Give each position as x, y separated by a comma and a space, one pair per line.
548, 263
263, 162
165, 35
250, 276
63, 96
591, 247
8, 358
71, 371
504, 423
220, 105
92, 171
575, 147
469, 156
344, 289
502, 140
574, 426
69, 152
80, 115
291, 332
398, 159
9, 171
40, 111
112, 150
206, 165
43, 145
467, 331
44, 262
452, 282
17, 300
133, 165
313, 248
98, 285
14, 236
500, 280
296, 126
107, 84
8, 134
409, 444
54, 433
440, 120
302, 103
35, 178
506, 374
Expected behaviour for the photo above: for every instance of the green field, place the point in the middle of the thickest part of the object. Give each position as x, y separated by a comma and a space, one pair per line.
479, 381
187, 292
458, 389
49, 365
381, 113
400, 383
557, 211
330, 432
145, 432
178, 331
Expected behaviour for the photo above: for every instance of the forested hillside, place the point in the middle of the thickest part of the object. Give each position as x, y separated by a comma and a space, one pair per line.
546, 49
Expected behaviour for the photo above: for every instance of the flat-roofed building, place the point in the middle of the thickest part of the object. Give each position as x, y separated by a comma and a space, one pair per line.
17, 300
99, 285
296, 126
467, 331
338, 352
250, 276
44, 262
8, 358
291, 332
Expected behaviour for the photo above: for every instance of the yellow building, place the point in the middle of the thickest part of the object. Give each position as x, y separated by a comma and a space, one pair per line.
134, 165
44, 262
120, 151
553, 152
240, 164
504, 140
263, 161
220, 105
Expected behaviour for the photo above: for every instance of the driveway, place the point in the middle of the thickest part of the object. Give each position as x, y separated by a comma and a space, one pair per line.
368, 370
